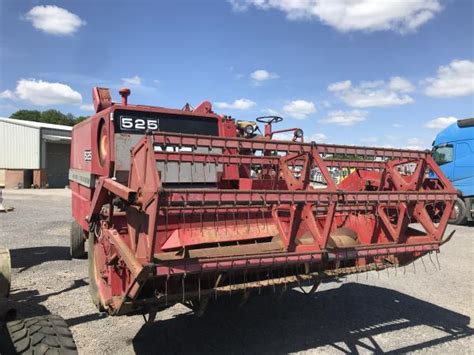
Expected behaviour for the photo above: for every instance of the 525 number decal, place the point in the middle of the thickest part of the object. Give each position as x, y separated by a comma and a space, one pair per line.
138, 123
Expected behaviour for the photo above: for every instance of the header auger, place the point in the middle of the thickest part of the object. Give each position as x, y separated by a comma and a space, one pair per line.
179, 205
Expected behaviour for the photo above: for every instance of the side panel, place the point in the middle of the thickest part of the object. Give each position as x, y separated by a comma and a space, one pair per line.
81, 201
85, 165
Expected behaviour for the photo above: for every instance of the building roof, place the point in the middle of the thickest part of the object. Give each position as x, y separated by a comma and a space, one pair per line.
35, 124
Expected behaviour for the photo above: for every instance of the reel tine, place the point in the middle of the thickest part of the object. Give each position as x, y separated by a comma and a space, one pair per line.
423, 262
437, 260
183, 287
357, 269
166, 288
199, 287
432, 262
248, 218
259, 284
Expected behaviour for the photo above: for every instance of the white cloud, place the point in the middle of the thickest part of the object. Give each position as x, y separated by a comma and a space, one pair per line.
87, 107
340, 86
54, 20
441, 122
344, 118
134, 80
299, 109
263, 75
400, 85
270, 111
374, 93
7, 94
288, 136
397, 125
454, 79
44, 93
240, 104
353, 15
316, 137
285, 136
415, 143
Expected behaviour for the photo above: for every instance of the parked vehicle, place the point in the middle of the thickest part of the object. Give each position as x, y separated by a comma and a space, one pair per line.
453, 150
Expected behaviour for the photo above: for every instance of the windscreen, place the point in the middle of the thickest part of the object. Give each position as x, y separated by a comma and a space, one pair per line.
443, 154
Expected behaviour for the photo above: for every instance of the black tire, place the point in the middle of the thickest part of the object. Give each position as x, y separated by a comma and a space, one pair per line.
93, 289
77, 249
459, 212
38, 335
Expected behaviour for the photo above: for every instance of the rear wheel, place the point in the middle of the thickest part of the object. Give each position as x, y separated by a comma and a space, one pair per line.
77, 241
459, 214
38, 335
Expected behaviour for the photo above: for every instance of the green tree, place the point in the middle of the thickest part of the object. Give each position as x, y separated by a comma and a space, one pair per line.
27, 115
48, 116
55, 117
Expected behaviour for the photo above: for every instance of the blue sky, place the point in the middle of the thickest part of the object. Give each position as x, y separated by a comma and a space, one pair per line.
389, 73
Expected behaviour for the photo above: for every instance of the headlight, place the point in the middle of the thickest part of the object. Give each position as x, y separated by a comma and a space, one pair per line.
249, 129
298, 133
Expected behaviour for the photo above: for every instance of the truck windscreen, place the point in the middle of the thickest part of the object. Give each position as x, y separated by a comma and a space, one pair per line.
443, 154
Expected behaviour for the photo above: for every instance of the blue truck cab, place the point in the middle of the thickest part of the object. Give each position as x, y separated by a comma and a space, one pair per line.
453, 151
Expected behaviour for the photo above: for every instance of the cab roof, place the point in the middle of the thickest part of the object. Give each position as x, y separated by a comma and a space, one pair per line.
458, 131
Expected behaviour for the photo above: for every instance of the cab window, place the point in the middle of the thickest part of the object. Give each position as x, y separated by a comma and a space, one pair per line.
443, 154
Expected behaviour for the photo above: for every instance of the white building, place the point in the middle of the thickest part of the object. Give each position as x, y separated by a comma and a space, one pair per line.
33, 154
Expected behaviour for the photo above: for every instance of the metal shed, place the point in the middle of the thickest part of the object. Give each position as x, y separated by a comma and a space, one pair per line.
33, 154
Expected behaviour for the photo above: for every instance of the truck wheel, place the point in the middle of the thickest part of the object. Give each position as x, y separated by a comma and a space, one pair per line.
459, 214
39, 335
77, 241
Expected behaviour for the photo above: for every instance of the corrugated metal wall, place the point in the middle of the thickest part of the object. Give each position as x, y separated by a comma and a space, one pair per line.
19, 147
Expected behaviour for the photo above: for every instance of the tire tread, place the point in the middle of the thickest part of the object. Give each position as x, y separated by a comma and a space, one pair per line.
41, 335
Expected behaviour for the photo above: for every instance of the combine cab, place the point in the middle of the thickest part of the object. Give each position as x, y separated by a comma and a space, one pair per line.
179, 205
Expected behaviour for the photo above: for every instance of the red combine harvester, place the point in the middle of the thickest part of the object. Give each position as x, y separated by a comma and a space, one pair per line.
181, 205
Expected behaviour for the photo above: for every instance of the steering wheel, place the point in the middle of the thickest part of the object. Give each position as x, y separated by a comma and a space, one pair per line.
269, 119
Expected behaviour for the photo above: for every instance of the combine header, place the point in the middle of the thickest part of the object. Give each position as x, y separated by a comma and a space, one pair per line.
181, 205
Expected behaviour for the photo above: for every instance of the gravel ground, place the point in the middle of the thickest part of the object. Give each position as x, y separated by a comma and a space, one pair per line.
424, 311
